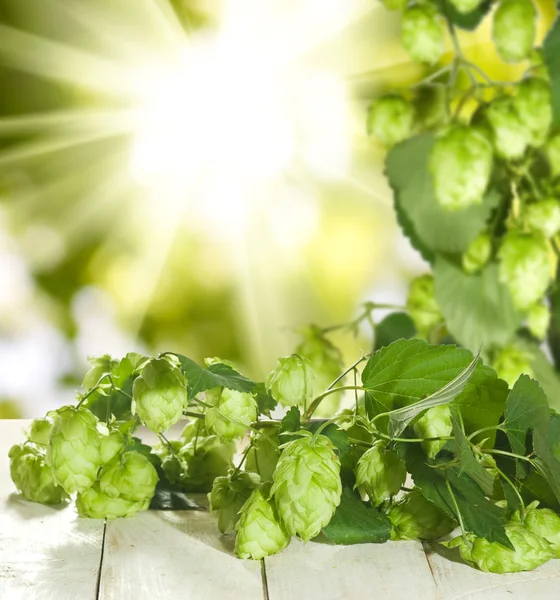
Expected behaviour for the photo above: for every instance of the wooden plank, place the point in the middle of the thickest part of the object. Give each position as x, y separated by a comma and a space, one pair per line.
162, 554
396, 570
457, 581
45, 553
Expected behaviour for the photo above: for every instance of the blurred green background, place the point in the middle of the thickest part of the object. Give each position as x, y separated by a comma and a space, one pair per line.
193, 175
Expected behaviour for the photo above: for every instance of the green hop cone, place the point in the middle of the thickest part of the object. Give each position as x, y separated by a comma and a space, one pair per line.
193, 429
40, 431
292, 382
263, 455
231, 412
542, 522
552, 152
391, 119
394, 4
466, 6
543, 217
538, 320
530, 552
260, 532
511, 362
33, 476
159, 395
509, 133
74, 448
423, 33
477, 254
514, 29
229, 493
434, 423
461, 162
525, 267
307, 486
110, 445
422, 305
380, 473
533, 103
100, 365
132, 477
94, 504
415, 518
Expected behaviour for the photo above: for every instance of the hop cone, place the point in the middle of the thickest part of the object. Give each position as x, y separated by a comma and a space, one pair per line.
466, 6
110, 445
423, 34
132, 477
74, 448
533, 103
514, 29
461, 163
40, 431
552, 151
260, 532
538, 320
391, 119
100, 365
232, 412
509, 132
478, 254
380, 473
530, 552
229, 493
543, 217
263, 456
292, 382
435, 422
414, 517
96, 505
307, 486
525, 267
422, 305
32, 476
159, 395
544, 523
511, 362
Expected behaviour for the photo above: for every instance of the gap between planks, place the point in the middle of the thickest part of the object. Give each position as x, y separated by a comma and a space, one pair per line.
264, 581
100, 570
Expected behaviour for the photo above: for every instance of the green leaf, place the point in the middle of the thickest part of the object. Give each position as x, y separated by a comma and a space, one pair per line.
468, 464
291, 421
478, 309
407, 227
337, 436
355, 523
393, 327
437, 230
401, 417
171, 497
200, 379
551, 54
547, 463
410, 370
265, 401
468, 21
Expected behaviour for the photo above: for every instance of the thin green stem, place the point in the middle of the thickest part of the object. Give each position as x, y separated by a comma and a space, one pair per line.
411, 440
510, 454
313, 406
245, 453
189, 413
93, 389
484, 429
457, 512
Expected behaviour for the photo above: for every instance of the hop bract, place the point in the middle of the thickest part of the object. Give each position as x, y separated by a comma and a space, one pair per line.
110, 445
465, 6
33, 476
264, 454
461, 163
292, 382
514, 29
307, 486
94, 504
478, 254
511, 362
132, 477
74, 448
525, 267
159, 395
533, 104
543, 217
422, 304
552, 151
260, 532
422, 33
510, 135
40, 431
544, 523
100, 365
229, 493
538, 320
232, 412
380, 473
414, 518
391, 119
434, 423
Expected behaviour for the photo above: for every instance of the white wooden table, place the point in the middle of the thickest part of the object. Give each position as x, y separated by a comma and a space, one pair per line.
51, 553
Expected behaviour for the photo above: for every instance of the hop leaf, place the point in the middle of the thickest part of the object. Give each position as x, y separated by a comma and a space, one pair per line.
434, 423
74, 448
510, 135
260, 532
231, 413
543, 217
478, 254
538, 320
514, 29
229, 493
307, 485
132, 477
391, 119
466, 6
544, 523
525, 267
94, 504
511, 362
159, 395
422, 305
33, 476
461, 163
380, 473
292, 382
552, 151
40, 431
533, 104
423, 34
414, 517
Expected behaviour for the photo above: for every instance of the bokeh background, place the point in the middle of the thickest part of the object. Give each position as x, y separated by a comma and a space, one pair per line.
195, 176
